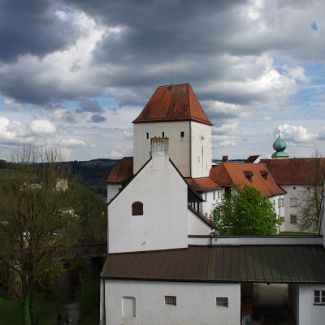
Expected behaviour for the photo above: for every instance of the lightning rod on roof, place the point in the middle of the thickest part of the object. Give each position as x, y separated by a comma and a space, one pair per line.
171, 70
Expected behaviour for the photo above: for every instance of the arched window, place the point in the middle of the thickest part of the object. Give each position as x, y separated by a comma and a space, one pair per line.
137, 208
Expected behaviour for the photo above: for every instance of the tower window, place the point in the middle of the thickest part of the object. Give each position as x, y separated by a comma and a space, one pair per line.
163, 134
182, 134
137, 208
147, 135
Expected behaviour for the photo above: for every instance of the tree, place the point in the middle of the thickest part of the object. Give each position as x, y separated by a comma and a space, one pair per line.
91, 210
36, 232
245, 211
309, 199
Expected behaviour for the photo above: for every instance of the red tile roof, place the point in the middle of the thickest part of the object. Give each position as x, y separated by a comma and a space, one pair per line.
173, 103
121, 171
201, 184
238, 174
297, 171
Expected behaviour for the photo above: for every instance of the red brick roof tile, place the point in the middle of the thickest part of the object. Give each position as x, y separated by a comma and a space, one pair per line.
121, 171
173, 103
238, 174
297, 171
201, 184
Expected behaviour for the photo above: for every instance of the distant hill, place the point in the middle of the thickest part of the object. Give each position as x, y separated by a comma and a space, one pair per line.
90, 173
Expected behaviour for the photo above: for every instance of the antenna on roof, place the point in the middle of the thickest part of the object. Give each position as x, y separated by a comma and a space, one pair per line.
171, 70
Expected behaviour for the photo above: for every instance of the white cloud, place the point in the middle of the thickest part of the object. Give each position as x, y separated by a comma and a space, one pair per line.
73, 142
14, 132
295, 133
116, 154
42, 127
321, 135
12, 104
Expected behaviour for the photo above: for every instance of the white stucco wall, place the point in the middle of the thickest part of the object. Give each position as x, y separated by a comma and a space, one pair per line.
112, 190
179, 148
196, 303
201, 149
278, 209
211, 199
196, 226
293, 191
309, 314
163, 224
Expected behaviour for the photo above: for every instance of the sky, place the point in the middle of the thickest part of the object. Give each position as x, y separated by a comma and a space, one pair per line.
75, 73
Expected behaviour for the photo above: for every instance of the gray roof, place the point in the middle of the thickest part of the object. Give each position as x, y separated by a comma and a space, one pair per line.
274, 264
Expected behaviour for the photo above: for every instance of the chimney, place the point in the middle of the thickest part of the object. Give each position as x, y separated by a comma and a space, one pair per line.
159, 147
224, 158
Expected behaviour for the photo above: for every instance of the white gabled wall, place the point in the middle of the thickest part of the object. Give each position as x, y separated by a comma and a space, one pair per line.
195, 303
196, 226
179, 147
112, 190
211, 200
164, 222
201, 158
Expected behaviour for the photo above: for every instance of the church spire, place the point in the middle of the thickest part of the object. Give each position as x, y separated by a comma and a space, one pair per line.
279, 146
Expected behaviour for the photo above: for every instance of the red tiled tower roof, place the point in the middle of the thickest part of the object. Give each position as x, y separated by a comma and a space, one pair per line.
173, 103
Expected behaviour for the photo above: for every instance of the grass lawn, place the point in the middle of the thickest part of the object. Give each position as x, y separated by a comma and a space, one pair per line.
11, 311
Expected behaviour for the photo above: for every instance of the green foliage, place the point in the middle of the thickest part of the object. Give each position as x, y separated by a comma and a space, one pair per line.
91, 210
36, 232
88, 297
11, 312
245, 212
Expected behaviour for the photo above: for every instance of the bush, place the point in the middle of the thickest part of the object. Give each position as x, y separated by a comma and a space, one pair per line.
88, 297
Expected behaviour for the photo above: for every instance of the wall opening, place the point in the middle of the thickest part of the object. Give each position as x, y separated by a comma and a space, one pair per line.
137, 208
128, 307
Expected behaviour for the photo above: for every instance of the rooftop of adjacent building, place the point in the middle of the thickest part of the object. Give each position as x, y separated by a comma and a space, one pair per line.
176, 102
229, 174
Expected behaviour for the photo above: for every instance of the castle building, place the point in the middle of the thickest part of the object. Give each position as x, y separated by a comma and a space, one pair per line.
166, 263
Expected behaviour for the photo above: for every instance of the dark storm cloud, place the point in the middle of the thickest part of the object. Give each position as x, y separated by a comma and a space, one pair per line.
91, 106
96, 118
31, 27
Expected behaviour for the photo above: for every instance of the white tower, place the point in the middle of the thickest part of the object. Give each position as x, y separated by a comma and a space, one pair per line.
174, 112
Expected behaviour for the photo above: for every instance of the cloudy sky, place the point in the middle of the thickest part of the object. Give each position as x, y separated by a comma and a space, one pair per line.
75, 73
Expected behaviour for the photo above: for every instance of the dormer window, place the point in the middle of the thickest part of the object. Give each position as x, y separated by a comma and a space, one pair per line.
249, 175
264, 173
137, 208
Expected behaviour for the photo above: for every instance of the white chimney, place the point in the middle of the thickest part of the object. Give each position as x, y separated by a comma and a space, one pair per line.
159, 148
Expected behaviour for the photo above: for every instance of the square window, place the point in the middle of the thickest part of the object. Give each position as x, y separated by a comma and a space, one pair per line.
293, 219
222, 301
182, 134
319, 297
170, 300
